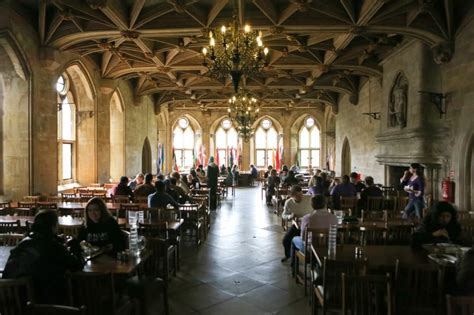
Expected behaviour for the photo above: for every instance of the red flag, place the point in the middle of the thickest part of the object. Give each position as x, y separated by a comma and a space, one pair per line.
175, 166
216, 159
277, 162
273, 157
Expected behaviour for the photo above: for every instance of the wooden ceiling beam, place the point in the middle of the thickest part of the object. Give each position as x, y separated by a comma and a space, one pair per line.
153, 13
267, 8
137, 8
215, 10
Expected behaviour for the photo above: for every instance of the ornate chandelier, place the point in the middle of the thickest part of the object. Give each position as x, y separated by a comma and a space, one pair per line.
243, 110
235, 51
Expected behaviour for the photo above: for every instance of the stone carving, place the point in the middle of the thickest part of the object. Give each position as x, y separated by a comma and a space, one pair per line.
397, 107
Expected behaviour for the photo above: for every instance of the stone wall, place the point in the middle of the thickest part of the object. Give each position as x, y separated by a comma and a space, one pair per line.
360, 131
28, 107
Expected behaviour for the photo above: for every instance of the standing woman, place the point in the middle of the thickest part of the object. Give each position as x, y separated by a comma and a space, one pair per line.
413, 183
100, 228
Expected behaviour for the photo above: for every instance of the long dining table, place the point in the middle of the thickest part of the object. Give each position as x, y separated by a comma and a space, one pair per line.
101, 263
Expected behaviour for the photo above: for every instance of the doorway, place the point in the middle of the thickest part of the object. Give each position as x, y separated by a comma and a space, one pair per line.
346, 158
146, 157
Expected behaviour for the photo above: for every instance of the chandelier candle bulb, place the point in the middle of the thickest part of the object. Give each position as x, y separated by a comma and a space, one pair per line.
223, 29
247, 28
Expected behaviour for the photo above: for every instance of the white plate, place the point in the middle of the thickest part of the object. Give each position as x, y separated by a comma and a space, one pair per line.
443, 259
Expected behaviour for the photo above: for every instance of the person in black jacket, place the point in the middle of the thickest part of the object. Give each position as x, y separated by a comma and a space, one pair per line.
43, 257
100, 228
439, 226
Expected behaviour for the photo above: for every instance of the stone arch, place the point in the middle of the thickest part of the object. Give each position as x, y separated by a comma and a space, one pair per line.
146, 156
117, 136
346, 166
15, 111
466, 175
81, 84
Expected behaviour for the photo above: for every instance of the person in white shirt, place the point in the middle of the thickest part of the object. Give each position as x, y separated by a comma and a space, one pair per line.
295, 207
320, 218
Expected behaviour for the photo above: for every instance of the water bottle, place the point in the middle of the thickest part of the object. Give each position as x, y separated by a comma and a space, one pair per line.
332, 240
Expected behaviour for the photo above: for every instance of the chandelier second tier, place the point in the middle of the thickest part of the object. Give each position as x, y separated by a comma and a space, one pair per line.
235, 51
243, 110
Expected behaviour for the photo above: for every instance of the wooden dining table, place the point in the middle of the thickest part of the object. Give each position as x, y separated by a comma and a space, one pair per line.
100, 263
377, 255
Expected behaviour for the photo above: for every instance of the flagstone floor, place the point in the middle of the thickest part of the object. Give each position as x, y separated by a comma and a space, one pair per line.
237, 270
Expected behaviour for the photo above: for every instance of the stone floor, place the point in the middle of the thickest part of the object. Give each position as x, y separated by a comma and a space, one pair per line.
237, 270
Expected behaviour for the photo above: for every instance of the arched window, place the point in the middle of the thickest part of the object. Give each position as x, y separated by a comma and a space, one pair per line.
226, 138
183, 143
309, 143
266, 138
66, 131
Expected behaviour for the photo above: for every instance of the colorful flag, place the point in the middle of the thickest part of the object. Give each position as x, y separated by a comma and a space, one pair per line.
273, 157
231, 157
277, 160
216, 158
175, 163
281, 155
158, 160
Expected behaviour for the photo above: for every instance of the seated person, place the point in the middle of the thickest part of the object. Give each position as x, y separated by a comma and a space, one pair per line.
355, 180
229, 180
182, 195
370, 191
181, 182
138, 180
235, 174
317, 188
295, 207
268, 171
170, 191
100, 228
193, 179
253, 172
290, 179
344, 189
146, 188
160, 199
320, 218
223, 170
439, 226
272, 183
122, 189
43, 257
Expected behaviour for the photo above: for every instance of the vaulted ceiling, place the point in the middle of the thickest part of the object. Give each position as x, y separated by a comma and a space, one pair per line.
319, 49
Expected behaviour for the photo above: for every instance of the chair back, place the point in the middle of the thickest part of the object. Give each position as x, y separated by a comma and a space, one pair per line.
372, 235
125, 207
390, 203
10, 239
50, 309
141, 200
157, 265
96, 291
159, 230
419, 287
332, 272
349, 203
86, 196
399, 234
368, 295
69, 197
462, 215
14, 294
26, 204
120, 199
467, 227
47, 205
374, 203
70, 230
10, 227
31, 199
4, 205
460, 305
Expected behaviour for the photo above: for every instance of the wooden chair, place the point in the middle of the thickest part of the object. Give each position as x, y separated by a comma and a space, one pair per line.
311, 236
70, 230
419, 288
161, 231
372, 235
86, 196
53, 199
373, 215
9, 239
141, 200
390, 203
96, 291
399, 234
47, 205
467, 227
69, 197
374, 204
349, 203
123, 209
462, 215
152, 278
120, 199
460, 305
194, 220
10, 227
329, 296
49, 309
31, 199
368, 295
4, 206
14, 294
